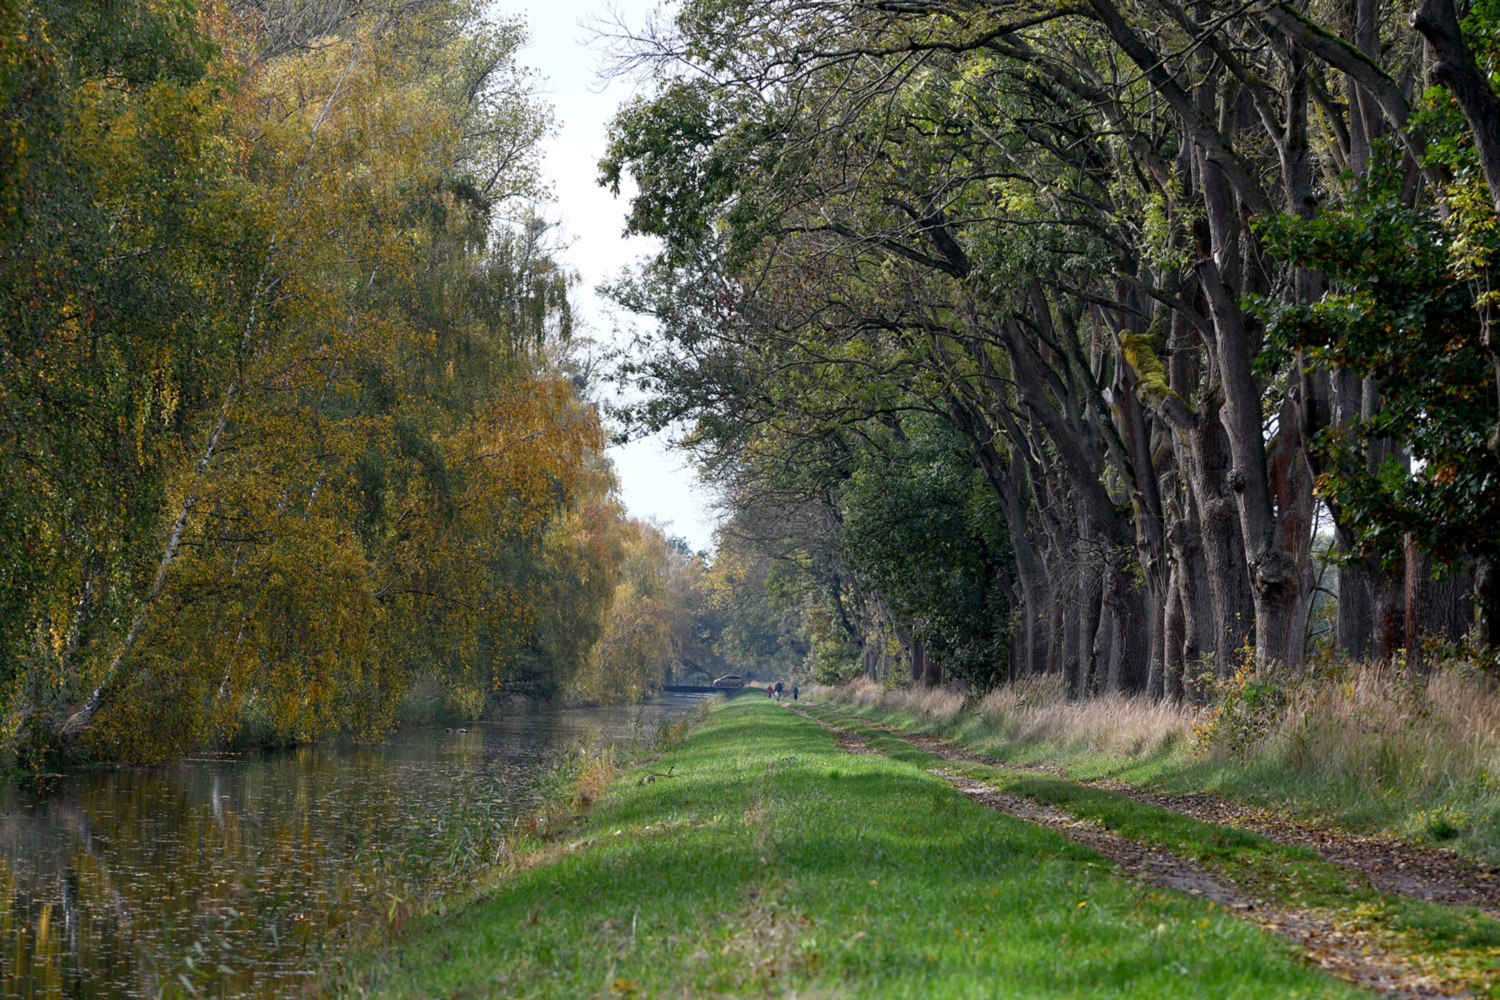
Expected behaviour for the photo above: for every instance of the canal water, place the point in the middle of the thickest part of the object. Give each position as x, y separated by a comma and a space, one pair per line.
237, 876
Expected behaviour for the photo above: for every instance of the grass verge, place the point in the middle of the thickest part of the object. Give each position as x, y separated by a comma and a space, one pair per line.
1457, 946
1365, 746
770, 863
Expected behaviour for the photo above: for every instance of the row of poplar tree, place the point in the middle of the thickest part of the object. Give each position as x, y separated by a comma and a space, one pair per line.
289, 418
1133, 340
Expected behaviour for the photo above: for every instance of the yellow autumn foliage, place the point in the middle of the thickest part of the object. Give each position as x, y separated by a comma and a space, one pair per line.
337, 445
630, 657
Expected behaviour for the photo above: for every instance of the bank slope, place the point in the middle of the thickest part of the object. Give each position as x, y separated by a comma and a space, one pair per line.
771, 862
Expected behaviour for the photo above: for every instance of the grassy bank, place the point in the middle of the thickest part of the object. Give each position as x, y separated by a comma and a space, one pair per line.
1453, 949
1367, 747
757, 858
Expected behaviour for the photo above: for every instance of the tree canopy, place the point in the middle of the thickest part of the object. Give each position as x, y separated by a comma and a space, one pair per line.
292, 417
1175, 286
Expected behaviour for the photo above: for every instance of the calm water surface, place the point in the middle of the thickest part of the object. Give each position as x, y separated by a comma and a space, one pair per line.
235, 876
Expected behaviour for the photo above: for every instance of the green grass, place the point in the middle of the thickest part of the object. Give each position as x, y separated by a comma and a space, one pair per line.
772, 863
1422, 785
1459, 943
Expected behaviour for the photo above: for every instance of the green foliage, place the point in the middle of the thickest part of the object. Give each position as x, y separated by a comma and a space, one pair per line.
833, 657
762, 607
631, 656
1398, 313
1246, 708
922, 527
133, 247
1441, 824
670, 145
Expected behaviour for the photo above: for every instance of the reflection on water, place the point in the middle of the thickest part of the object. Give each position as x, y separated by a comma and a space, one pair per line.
229, 876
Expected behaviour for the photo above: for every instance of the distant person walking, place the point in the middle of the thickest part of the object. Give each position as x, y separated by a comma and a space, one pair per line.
794, 692
768, 690
778, 690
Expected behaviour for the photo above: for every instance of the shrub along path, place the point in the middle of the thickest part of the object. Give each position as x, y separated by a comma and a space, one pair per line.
771, 863
1392, 944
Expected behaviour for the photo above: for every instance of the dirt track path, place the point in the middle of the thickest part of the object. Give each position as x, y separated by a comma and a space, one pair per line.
1390, 865
1339, 947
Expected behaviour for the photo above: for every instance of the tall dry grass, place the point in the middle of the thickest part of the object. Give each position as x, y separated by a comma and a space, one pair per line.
1428, 746
1031, 711
1370, 744
928, 704
1036, 711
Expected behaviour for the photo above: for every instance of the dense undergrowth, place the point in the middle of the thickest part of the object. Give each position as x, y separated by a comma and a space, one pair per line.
1367, 746
757, 858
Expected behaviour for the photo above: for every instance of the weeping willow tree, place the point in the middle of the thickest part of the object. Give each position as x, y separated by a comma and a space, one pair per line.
289, 413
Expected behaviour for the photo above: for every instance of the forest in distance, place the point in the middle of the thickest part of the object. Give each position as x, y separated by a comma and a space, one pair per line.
1139, 345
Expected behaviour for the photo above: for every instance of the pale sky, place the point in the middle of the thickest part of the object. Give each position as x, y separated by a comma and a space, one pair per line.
655, 482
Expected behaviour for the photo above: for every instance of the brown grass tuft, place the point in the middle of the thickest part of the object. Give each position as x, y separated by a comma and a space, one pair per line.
1033, 710
1429, 740
1036, 710
929, 704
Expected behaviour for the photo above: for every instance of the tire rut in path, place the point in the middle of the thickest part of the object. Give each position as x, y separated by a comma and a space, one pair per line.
1340, 950
1401, 869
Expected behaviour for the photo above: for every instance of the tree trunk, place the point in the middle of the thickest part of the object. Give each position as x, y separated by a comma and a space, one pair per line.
1035, 584
1487, 600
1437, 611
1174, 629
1206, 460
1389, 592
1149, 533
1072, 638
1104, 637
1190, 616
1130, 641
1007, 479
1273, 495
1090, 606
1354, 613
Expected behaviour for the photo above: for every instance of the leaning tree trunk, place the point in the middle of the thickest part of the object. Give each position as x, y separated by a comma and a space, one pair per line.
1190, 616
1104, 639
1130, 620
80, 720
1090, 605
1454, 67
